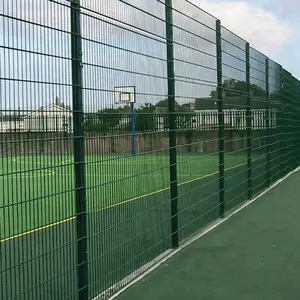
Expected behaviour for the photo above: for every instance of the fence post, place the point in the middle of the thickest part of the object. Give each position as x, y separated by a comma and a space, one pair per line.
79, 163
294, 128
282, 144
172, 124
286, 93
220, 120
132, 129
294, 114
298, 118
268, 162
298, 122
249, 123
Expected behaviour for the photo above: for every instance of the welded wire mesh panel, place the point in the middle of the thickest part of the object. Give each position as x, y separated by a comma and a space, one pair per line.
276, 142
294, 126
127, 162
290, 100
37, 227
261, 113
296, 121
197, 116
112, 118
235, 117
287, 98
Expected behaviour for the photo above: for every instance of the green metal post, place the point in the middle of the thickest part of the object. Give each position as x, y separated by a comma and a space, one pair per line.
295, 123
286, 120
249, 123
79, 163
220, 120
282, 137
268, 140
298, 122
292, 123
172, 124
295, 114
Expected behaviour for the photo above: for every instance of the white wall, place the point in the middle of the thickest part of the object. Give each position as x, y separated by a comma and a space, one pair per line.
50, 119
7, 126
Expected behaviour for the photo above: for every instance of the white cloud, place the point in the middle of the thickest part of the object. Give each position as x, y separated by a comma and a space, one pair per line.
259, 27
293, 2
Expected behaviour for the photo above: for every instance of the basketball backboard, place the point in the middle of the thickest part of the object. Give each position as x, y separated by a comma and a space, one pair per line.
124, 94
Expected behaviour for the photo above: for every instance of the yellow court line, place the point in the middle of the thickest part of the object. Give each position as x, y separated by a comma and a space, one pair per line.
134, 199
37, 229
113, 205
166, 189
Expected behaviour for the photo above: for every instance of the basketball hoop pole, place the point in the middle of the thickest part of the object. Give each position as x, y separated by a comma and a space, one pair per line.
126, 95
132, 129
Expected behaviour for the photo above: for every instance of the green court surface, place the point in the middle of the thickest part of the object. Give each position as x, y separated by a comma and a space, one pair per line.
128, 215
39, 190
253, 255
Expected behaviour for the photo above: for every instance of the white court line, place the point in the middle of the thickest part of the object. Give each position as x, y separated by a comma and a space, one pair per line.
44, 164
18, 160
155, 264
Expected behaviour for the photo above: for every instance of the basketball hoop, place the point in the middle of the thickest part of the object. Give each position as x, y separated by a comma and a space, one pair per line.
124, 94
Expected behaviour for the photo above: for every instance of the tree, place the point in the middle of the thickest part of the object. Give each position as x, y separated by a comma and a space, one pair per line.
235, 88
165, 103
145, 119
106, 119
109, 118
184, 116
92, 124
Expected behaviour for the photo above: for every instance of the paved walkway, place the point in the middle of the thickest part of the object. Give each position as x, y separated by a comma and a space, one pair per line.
255, 255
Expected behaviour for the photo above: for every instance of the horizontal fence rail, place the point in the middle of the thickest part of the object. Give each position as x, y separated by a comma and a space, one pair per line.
125, 128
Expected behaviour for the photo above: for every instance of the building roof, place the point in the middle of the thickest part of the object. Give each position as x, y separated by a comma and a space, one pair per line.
50, 108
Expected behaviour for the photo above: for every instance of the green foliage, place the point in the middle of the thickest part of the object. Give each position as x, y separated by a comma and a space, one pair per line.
236, 88
148, 120
92, 125
185, 121
109, 118
144, 119
105, 120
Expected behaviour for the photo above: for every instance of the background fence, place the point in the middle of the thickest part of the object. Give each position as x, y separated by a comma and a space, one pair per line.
89, 199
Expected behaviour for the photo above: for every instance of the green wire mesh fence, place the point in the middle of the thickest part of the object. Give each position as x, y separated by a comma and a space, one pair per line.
125, 128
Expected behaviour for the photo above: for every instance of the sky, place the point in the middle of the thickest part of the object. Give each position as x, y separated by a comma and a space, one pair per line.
270, 26
35, 64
